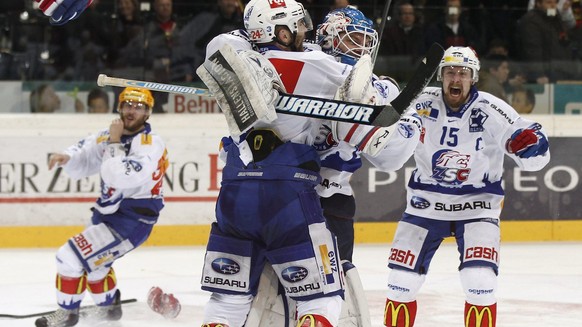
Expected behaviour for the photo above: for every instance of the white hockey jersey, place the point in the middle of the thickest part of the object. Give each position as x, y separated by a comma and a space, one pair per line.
340, 159
311, 73
459, 159
136, 174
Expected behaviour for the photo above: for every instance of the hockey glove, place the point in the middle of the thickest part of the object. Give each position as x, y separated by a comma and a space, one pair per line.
367, 139
526, 143
62, 11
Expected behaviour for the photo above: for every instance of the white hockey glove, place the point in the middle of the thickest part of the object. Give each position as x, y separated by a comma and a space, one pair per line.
367, 139
371, 140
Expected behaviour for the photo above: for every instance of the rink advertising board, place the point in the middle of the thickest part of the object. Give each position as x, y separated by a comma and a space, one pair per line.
43, 208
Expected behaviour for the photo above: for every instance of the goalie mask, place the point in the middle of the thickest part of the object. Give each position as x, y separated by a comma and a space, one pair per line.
460, 57
261, 17
347, 34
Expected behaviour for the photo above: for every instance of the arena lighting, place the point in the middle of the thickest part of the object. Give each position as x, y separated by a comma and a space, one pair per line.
24, 16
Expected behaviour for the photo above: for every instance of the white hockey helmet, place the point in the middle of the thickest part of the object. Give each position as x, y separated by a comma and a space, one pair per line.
261, 17
463, 57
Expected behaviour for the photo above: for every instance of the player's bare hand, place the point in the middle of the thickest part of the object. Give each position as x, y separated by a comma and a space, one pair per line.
58, 159
115, 130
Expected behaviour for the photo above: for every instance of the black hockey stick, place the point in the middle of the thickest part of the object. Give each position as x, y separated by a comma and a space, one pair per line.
84, 308
422, 76
381, 28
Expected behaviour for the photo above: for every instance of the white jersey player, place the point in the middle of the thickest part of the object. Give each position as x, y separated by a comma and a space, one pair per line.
268, 209
347, 35
456, 188
131, 160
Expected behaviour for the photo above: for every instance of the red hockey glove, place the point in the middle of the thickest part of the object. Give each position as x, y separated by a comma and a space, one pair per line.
165, 304
527, 143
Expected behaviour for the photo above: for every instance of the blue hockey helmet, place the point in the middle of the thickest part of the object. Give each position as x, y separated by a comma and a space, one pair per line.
347, 34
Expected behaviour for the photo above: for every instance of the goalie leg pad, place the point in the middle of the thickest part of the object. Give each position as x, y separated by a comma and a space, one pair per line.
270, 306
245, 85
355, 311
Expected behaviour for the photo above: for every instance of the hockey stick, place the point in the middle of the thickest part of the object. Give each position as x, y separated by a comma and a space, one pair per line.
84, 308
103, 80
292, 104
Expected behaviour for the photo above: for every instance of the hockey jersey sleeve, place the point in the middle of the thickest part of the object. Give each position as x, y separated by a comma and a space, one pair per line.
85, 156
400, 147
127, 170
238, 39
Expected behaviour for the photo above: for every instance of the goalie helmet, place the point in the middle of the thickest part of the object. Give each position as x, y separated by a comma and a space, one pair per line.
134, 94
460, 57
261, 17
347, 34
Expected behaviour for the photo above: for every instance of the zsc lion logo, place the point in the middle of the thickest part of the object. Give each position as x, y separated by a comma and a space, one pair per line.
451, 167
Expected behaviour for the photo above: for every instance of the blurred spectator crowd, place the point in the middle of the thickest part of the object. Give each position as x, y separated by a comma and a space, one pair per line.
519, 42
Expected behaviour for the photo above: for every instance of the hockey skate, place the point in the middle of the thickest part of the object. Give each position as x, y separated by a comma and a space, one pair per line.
165, 304
59, 318
110, 312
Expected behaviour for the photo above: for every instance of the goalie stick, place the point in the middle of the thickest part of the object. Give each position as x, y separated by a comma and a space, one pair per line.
292, 104
83, 309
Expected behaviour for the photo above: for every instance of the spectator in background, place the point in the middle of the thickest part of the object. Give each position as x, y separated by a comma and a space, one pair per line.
89, 37
224, 17
545, 44
98, 101
497, 46
44, 99
494, 74
403, 35
127, 25
453, 29
564, 8
151, 51
523, 100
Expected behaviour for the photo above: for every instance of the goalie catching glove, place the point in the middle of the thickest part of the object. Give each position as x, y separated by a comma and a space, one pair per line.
529, 142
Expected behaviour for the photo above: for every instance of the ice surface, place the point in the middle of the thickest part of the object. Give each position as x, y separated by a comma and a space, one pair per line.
540, 284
